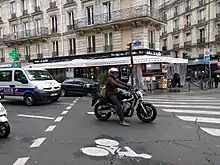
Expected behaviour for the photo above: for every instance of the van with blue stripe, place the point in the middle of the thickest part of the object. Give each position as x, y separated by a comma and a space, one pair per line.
33, 85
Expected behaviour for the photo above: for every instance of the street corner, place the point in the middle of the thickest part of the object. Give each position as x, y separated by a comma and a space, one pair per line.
112, 150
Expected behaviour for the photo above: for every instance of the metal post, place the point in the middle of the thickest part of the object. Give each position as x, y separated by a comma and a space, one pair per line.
132, 64
210, 76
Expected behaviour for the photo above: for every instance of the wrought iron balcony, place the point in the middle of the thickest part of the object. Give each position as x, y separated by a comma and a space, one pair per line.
151, 46
108, 48
24, 12
201, 3
37, 11
53, 30
187, 25
27, 34
69, 3
121, 16
91, 50
175, 29
70, 27
201, 20
175, 46
217, 37
164, 33
72, 52
201, 40
55, 54
188, 8
187, 43
175, 14
39, 55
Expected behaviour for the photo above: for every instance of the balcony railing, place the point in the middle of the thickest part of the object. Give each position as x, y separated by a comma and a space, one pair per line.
175, 29
54, 30
175, 14
187, 43
188, 8
151, 46
187, 25
27, 57
13, 15
43, 31
201, 40
70, 27
55, 54
217, 37
72, 52
37, 9
91, 50
201, 3
136, 12
24, 12
69, 3
201, 20
52, 5
175, 46
164, 33
108, 48
39, 55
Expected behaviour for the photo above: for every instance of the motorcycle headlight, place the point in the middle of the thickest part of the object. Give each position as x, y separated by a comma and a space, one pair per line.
140, 94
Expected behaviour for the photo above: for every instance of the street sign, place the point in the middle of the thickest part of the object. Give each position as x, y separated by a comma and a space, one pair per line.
14, 54
206, 56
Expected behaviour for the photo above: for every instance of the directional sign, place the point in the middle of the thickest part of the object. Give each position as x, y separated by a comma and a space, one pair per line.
206, 56
137, 43
14, 54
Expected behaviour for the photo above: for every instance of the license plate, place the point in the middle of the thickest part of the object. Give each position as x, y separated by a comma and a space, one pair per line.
54, 94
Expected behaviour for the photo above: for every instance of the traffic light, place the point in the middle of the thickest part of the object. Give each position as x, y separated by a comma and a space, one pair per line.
130, 65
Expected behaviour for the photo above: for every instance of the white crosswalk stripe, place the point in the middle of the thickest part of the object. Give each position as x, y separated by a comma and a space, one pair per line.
191, 109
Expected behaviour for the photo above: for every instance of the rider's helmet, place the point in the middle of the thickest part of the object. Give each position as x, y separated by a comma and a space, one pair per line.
113, 71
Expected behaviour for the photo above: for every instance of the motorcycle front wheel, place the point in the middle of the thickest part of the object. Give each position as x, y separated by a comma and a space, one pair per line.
102, 116
149, 116
4, 130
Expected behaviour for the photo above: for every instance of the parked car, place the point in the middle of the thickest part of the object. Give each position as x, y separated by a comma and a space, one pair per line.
79, 86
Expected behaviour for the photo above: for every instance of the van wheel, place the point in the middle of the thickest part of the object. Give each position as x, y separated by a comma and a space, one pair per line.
29, 99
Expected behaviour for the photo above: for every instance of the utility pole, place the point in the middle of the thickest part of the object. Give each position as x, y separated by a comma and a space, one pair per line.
210, 76
132, 64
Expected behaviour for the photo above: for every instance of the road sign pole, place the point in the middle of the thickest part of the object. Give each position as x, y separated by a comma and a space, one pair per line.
132, 64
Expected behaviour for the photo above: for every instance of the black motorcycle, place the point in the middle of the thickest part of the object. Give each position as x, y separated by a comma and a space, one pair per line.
130, 100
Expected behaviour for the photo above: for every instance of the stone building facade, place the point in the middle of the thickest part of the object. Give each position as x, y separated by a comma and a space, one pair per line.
43, 29
192, 25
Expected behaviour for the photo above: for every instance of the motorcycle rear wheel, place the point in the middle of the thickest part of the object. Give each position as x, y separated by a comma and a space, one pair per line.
99, 115
146, 118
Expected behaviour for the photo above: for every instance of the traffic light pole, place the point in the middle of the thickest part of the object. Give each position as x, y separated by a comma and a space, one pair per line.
132, 64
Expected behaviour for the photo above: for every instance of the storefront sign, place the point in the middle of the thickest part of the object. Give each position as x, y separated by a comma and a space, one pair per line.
136, 52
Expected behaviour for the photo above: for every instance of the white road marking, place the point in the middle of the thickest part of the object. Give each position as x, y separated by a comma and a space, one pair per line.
50, 128
69, 107
39, 117
21, 161
37, 142
61, 103
58, 119
184, 103
192, 111
200, 119
64, 112
90, 113
186, 106
212, 131
74, 101
72, 104
178, 100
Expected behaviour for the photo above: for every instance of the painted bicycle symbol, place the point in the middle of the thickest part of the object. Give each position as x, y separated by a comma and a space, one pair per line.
106, 146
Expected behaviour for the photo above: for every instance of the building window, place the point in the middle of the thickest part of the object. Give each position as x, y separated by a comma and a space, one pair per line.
71, 17
218, 29
55, 48
176, 24
91, 44
187, 3
188, 37
72, 46
27, 52
24, 4
90, 15
176, 11
37, 3
188, 20
176, 39
54, 24
13, 7
108, 43
202, 15
165, 42
38, 26
1, 32
38, 49
107, 11
26, 29
2, 55
151, 39
201, 33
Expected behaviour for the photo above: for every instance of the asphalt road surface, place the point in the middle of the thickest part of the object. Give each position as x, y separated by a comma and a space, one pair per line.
67, 133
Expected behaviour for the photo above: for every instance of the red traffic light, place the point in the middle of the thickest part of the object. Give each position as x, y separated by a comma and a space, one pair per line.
130, 65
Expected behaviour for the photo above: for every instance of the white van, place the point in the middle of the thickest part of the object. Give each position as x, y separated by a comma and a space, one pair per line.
31, 84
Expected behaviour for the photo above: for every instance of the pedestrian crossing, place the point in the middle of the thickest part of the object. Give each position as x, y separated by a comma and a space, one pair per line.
200, 109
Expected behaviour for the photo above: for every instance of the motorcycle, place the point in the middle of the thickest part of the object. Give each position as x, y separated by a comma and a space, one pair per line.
4, 125
130, 100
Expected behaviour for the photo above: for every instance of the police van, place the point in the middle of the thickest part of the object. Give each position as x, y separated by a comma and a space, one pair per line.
30, 84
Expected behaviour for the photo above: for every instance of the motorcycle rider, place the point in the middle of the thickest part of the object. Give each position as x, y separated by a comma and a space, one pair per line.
112, 93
